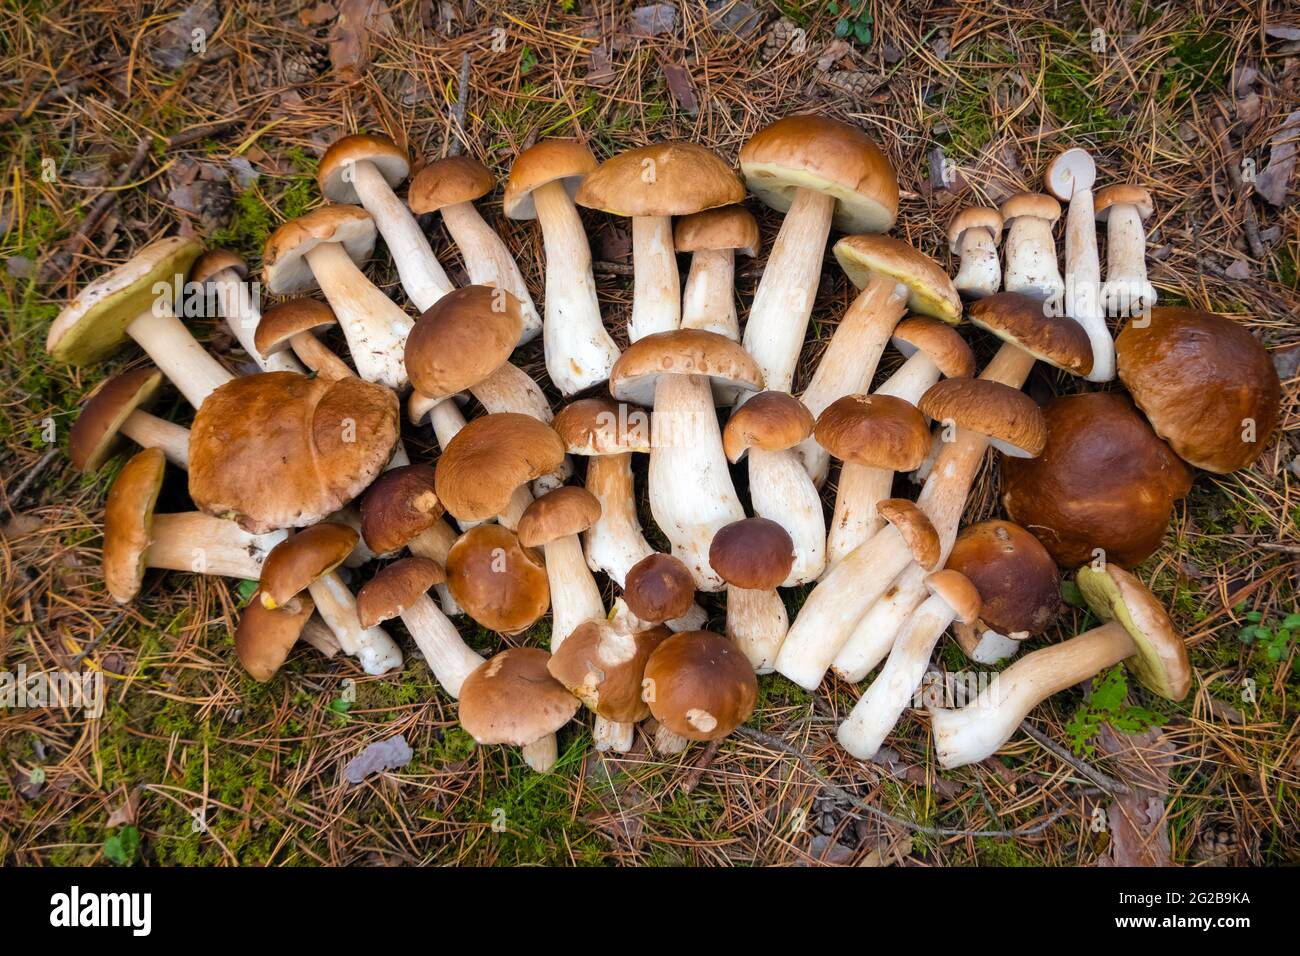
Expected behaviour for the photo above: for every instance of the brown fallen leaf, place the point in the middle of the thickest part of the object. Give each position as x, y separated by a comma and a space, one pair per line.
1137, 821
1275, 179
682, 87
350, 40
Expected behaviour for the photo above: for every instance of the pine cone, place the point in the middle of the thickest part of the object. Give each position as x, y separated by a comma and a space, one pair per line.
855, 84
779, 36
303, 66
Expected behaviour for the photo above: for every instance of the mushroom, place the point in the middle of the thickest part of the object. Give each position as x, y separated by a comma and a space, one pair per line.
201, 544
264, 638
500, 584
128, 517
118, 408
485, 468
542, 181
226, 274
699, 686
1069, 178
134, 300
817, 171
767, 428
1104, 482
553, 523
691, 494
293, 324
973, 237
893, 277
1030, 249
754, 555
364, 169
322, 249
952, 597
659, 588
1137, 632
875, 436
713, 238
450, 186
652, 184
1205, 384
932, 349
1124, 208
512, 699
401, 590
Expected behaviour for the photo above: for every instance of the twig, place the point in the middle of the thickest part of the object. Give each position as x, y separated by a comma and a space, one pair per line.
1232, 165
457, 145
1280, 548
1099, 779
32, 474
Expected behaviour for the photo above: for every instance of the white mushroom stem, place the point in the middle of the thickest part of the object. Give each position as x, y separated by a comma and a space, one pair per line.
983, 645
615, 542
376, 329
970, 734
666, 742
150, 431
849, 362
877, 712
446, 420
1031, 260
656, 287
709, 302
783, 301
185, 362
574, 595
434, 542
855, 518
579, 352
312, 353
757, 622
981, 272
371, 646
202, 544
542, 753
489, 262
614, 735
780, 490
912, 379
235, 302
422, 276
361, 553
449, 657
1126, 291
1083, 283
691, 494
519, 501
875, 631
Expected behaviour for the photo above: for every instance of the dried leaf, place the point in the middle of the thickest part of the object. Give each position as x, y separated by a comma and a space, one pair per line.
126, 813
377, 757
888, 852
1137, 820
681, 87
733, 16
315, 16
1275, 179
1283, 33
176, 41
350, 39
655, 19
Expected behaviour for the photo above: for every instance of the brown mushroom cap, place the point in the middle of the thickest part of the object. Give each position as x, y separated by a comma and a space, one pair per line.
915, 527
217, 260
282, 450
973, 217
665, 179
752, 553
93, 325
602, 663
445, 182
513, 699
566, 510
284, 263
489, 458
602, 426
958, 591
93, 436
1016, 578
302, 559
724, 228
770, 421
128, 518
659, 588
500, 584
402, 503
386, 156
878, 431
699, 685
545, 162
940, 341
1103, 480
931, 291
395, 588
264, 638
831, 157
462, 339
684, 352
280, 323
1007, 416
1122, 194
1037, 205
1202, 381
1161, 662
1028, 324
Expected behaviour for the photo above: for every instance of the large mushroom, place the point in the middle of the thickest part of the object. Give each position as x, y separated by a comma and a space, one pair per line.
292, 325
1124, 208
699, 686
754, 555
500, 584
713, 238
1069, 178
512, 699
973, 237
1030, 249
119, 408
553, 523
224, 275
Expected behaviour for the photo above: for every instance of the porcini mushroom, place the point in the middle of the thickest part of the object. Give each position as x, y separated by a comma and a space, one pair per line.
659, 588
754, 555
512, 699
482, 469
932, 349
553, 523
1124, 209
1069, 178
226, 275
500, 584
699, 686
118, 408
713, 238
973, 236
264, 637
1030, 249
128, 516
293, 324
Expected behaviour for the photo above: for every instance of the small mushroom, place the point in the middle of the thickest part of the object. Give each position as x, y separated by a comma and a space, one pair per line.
500, 584
293, 324
512, 699
754, 555
659, 589
973, 237
553, 523
118, 408
1069, 178
128, 517
484, 471
1030, 249
226, 276
699, 686
264, 637
713, 238
1124, 209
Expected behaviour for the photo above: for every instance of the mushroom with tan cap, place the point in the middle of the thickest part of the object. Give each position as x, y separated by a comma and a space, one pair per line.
699, 686
364, 169
973, 237
1069, 178
401, 589
651, 184
512, 699
817, 171
484, 471
682, 373
293, 325
553, 523
1124, 209
119, 408
264, 637
754, 555
1205, 383
933, 349
1030, 250
323, 249
1136, 632
225, 275
134, 300
500, 583
128, 517
767, 428
952, 598
541, 186
713, 238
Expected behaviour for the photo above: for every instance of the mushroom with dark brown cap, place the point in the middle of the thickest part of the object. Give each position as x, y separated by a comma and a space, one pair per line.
1124, 208
973, 237
1030, 250
713, 238
691, 494
264, 637
754, 555
512, 699
1137, 632
223, 276
699, 686
498, 582
952, 598
1069, 178
767, 428
659, 589
322, 249
292, 325
484, 471
553, 523
651, 184
1103, 487
135, 300
818, 171
118, 408
401, 589
128, 516
364, 169
1205, 383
